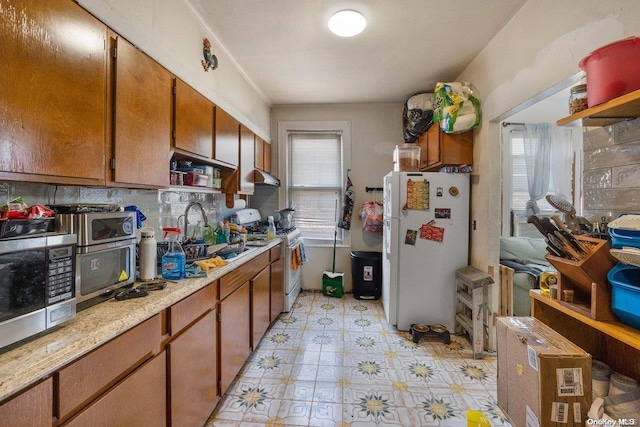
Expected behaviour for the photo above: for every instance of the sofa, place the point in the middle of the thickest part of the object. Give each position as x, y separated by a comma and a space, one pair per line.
525, 255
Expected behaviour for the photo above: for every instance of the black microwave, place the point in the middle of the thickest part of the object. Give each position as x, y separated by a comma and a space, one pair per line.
37, 285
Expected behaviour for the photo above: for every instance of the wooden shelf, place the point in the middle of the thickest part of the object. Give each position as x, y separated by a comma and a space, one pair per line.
612, 342
614, 329
193, 189
625, 107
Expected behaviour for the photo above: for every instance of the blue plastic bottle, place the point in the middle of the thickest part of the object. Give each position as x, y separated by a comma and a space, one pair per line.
174, 260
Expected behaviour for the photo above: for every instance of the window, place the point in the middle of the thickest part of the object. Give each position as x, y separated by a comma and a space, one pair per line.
565, 163
314, 162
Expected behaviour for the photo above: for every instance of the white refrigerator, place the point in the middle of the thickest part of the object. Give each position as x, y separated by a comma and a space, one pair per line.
425, 240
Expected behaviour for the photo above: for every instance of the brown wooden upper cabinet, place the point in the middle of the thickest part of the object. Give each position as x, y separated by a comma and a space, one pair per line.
258, 153
193, 121
142, 104
227, 139
52, 93
267, 156
247, 145
262, 155
439, 149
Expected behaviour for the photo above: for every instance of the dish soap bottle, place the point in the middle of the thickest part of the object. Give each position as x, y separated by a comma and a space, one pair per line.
271, 229
174, 260
148, 254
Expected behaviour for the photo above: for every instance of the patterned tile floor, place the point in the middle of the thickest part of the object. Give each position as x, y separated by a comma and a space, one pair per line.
336, 362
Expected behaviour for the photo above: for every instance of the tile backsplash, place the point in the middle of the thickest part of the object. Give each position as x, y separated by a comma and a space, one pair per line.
163, 208
611, 170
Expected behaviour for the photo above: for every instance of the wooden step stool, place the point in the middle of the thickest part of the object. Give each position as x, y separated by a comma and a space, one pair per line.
472, 307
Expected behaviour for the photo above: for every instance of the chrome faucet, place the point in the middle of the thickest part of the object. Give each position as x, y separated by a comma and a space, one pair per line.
186, 217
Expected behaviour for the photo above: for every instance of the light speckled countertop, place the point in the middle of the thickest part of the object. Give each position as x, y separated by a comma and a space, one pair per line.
40, 357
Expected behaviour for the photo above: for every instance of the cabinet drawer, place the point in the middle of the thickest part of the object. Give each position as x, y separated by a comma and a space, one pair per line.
88, 377
139, 400
232, 281
274, 253
189, 309
32, 408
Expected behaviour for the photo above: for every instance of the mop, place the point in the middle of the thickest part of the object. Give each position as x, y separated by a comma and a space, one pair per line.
332, 282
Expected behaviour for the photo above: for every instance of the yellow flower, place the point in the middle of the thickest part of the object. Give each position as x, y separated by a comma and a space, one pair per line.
458, 389
275, 422
438, 409
399, 386
288, 379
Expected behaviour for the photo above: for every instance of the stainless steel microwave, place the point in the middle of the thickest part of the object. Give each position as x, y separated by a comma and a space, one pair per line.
37, 285
106, 252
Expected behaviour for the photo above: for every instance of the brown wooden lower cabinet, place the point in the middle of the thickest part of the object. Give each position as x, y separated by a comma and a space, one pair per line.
235, 336
193, 373
87, 378
277, 288
32, 408
260, 306
138, 400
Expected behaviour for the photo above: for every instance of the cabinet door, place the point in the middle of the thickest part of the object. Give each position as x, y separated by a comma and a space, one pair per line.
247, 148
193, 131
193, 373
260, 306
277, 288
32, 408
267, 157
235, 337
142, 118
139, 400
259, 153
86, 378
227, 141
439, 149
52, 93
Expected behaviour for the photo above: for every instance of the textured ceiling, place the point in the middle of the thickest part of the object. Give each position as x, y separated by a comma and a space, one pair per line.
286, 50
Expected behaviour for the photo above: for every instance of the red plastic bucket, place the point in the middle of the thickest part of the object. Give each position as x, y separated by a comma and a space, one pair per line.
612, 70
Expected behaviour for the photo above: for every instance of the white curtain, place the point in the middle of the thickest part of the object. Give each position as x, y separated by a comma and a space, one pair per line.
562, 162
537, 154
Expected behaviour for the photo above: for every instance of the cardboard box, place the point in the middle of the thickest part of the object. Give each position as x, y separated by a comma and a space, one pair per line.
543, 378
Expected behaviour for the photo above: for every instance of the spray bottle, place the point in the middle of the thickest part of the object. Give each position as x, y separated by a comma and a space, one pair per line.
174, 260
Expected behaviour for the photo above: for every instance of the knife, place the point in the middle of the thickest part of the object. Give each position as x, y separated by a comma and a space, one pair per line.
569, 242
585, 248
553, 249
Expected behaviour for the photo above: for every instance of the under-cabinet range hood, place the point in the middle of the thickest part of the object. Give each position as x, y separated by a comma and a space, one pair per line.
264, 178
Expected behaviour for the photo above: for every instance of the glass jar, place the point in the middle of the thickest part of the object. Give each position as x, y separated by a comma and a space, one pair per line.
548, 277
578, 99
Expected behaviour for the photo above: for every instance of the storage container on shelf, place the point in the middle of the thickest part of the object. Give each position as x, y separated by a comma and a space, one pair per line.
625, 293
612, 70
406, 158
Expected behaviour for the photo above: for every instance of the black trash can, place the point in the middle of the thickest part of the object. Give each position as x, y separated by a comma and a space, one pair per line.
366, 273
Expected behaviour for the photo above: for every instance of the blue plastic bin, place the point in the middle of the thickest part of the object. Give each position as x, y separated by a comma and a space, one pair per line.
622, 237
625, 293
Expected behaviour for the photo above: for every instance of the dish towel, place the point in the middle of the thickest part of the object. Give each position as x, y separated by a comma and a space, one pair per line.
295, 258
347, 204
303, 253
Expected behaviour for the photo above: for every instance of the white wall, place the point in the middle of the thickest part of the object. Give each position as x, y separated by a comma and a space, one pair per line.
540, 47
170, 32
375, 131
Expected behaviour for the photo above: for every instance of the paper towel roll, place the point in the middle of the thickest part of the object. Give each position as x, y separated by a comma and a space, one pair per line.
239, 204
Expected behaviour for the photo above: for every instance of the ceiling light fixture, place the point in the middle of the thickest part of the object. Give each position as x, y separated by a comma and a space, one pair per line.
347, 23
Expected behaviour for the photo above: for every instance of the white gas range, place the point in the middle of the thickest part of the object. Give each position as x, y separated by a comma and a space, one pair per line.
291, 241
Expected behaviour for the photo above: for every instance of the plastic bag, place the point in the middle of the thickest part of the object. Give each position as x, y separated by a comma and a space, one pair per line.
371, 216
456, 107
417, 116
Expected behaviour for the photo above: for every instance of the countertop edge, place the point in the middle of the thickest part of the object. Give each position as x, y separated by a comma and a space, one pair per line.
36, 359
